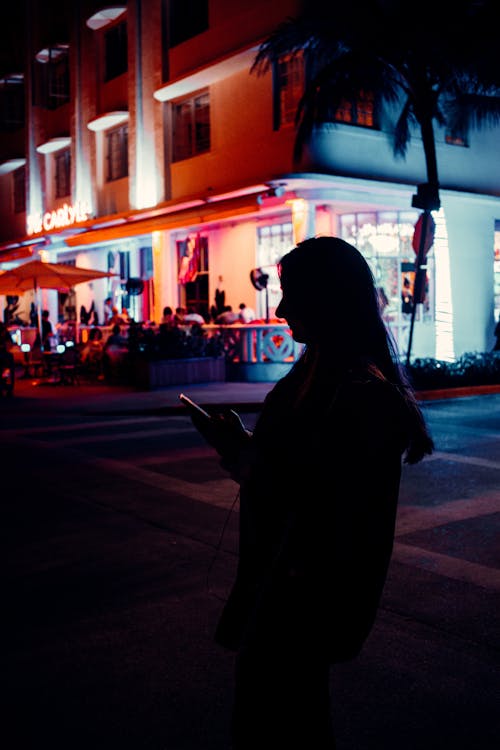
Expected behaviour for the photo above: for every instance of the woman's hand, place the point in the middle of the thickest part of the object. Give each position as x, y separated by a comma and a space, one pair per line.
224, 430
236, 451
227, 434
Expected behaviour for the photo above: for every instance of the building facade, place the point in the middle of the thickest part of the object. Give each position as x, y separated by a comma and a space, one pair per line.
136, 139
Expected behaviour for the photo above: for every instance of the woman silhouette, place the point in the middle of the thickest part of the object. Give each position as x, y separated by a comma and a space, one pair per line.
319, 482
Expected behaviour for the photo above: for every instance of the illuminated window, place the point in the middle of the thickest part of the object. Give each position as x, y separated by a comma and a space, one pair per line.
191, 127
124, 261
117, 153
454, 139
146, 262
19, 189
273, 241
359, 112
288, 90
385, 240
115, 51
62, 164
496, 271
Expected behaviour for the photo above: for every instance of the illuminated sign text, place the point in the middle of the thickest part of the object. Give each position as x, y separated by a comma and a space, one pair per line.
61, 217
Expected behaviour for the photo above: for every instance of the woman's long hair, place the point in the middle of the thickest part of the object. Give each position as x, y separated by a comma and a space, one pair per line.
330, 288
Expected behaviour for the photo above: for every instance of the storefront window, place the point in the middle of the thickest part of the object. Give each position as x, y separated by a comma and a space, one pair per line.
273, 241
385, 239
496, 273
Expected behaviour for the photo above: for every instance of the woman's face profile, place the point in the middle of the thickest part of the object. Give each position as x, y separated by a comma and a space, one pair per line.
285, 310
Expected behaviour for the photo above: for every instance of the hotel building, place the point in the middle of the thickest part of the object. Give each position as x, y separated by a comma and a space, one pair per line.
131, 133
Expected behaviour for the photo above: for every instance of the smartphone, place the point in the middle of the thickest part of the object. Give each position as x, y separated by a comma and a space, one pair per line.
193, 407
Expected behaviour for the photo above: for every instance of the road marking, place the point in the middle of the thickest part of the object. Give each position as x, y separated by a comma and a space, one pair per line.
221, 493
413, 518
218, 492
77, 426
112, 438
472, 460
445, 565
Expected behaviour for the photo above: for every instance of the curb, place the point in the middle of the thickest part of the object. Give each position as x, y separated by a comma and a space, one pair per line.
255, 406
462, 392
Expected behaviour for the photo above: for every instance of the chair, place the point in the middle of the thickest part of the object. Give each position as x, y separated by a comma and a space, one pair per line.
91, 361
69, 366
33, 364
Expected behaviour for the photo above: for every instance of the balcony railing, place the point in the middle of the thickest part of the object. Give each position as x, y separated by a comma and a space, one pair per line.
257, 353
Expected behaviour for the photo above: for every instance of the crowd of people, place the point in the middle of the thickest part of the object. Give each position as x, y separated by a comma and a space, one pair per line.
222, 315
105, 350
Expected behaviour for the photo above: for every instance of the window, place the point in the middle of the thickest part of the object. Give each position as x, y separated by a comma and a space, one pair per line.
455, 139
385, 240
51, 77
191, 127
289, 87
12, 103
62, 165
124, 260
359, 112
496, 272
19, 189
115, 51
146, 262
186, 18
117, 153
273, 241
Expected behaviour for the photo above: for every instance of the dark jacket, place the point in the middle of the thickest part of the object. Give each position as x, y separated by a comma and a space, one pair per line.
317, 515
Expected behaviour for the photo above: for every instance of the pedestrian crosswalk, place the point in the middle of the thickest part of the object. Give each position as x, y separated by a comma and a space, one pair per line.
166, 454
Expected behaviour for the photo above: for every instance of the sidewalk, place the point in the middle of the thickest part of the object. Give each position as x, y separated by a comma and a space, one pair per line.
102, 398
30, 394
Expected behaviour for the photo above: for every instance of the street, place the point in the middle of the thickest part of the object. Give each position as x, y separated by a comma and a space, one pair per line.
120, 532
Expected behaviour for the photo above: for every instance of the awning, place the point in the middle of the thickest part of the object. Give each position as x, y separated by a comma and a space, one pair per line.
128, 227
16, 253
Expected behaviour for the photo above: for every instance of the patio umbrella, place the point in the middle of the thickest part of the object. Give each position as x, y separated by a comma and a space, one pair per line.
36, 275
39, 275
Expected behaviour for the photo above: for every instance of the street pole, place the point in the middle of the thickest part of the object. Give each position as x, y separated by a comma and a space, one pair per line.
427, 198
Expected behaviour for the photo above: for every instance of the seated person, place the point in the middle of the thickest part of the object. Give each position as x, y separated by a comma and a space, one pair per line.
167, 317
116, 339
125, 315
227, 316
91, 353
66, 331
247, 315
6, 352
193, 317
116, 318
180, 312
114, 355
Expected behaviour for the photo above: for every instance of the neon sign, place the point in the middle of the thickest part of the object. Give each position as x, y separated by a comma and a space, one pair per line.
61, 217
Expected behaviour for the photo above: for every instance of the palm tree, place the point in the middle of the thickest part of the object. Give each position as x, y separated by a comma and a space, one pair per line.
439, 65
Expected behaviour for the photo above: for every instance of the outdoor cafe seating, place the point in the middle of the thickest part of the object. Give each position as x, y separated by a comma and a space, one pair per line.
59, 366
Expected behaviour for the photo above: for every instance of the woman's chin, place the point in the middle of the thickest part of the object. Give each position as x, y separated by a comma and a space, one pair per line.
298, 336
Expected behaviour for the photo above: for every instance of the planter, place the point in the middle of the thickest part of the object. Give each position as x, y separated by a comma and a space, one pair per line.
149, 375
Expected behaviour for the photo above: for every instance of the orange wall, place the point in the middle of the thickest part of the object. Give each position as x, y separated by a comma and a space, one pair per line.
231, 27
244, 147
